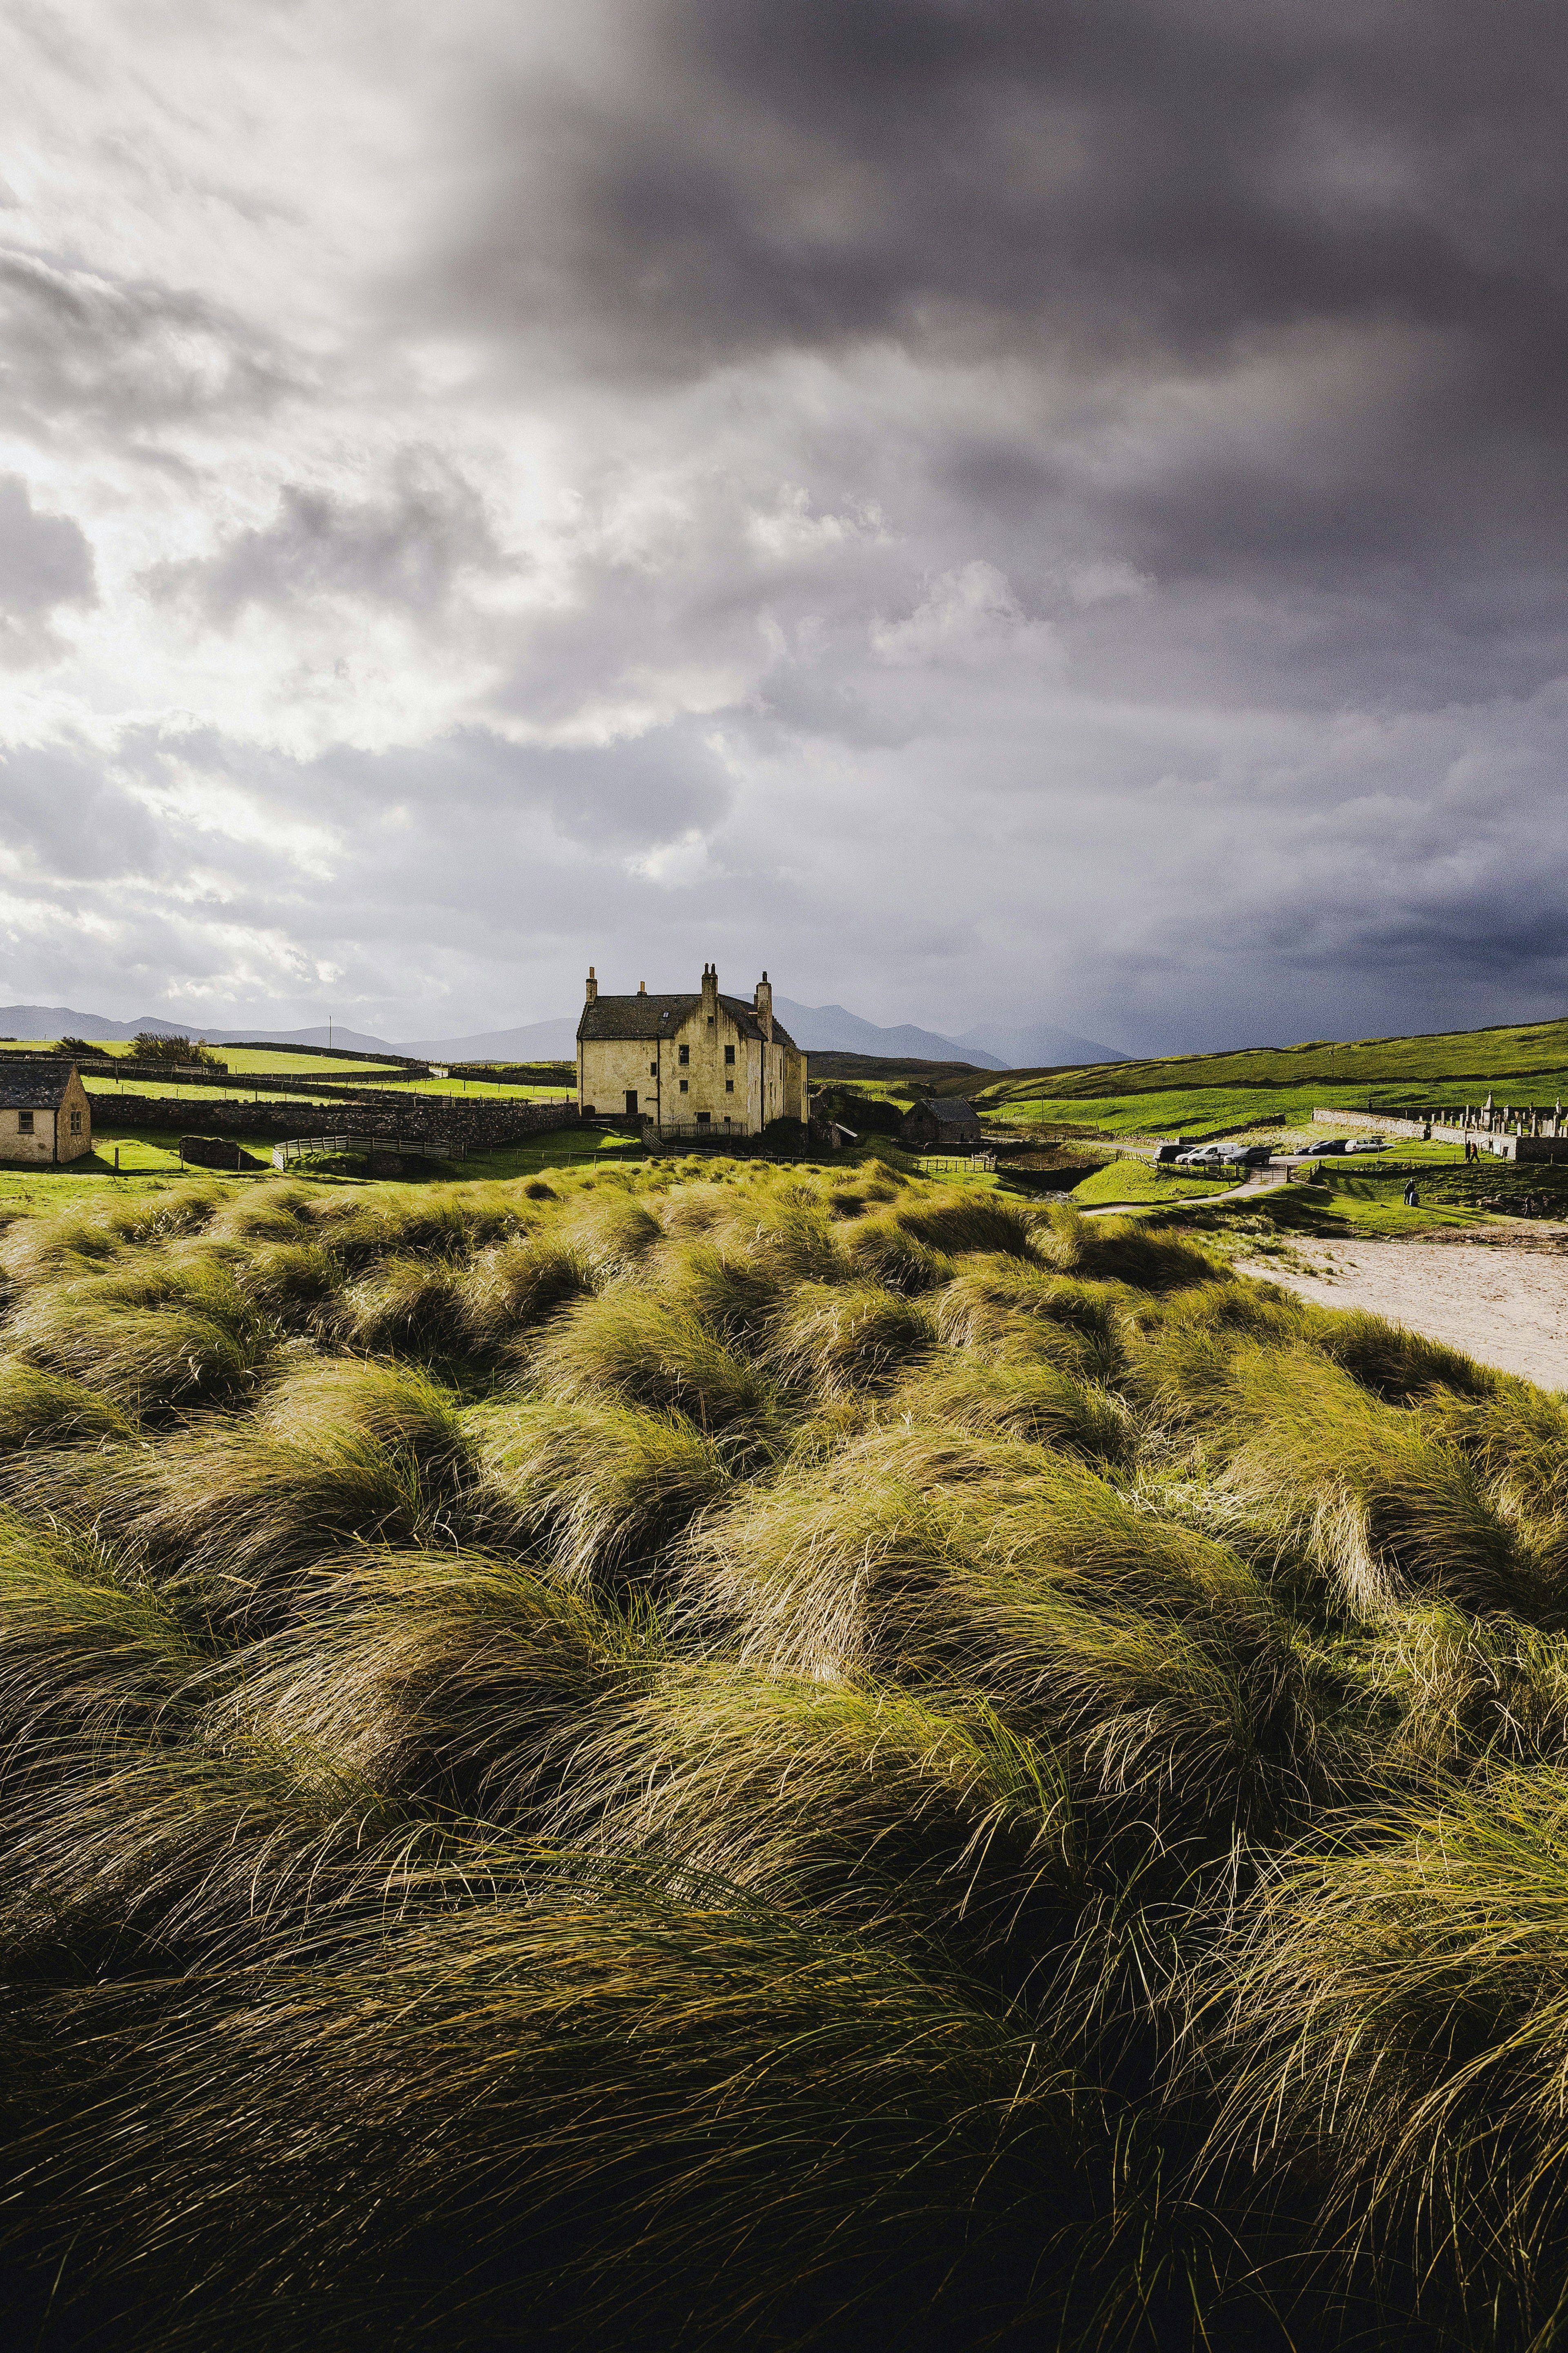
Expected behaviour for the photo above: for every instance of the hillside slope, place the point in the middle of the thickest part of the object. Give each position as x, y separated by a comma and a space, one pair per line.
1447, 1060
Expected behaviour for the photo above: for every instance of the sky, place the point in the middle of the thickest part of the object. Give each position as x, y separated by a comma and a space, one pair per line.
989, 508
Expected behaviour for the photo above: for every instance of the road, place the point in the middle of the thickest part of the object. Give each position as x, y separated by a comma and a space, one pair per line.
1268, 1180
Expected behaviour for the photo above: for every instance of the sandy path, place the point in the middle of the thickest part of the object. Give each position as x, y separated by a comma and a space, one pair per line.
1503, 1302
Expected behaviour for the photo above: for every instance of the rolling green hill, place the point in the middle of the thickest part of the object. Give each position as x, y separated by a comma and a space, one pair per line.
1274, 1084
1429, 1069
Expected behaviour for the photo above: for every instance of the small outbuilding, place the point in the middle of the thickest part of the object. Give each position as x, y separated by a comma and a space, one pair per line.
945, 1121
45, 1115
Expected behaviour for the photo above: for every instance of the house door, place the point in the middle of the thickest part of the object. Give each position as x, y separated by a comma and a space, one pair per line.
631, 1102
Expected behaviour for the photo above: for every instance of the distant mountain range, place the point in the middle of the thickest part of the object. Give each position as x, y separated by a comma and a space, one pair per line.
994, 1045
61, 1021
1035, 1046
818, 1029
536, 1041
833, 1030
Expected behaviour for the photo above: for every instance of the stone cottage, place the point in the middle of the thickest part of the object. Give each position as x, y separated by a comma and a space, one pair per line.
945, 1121
689, 1064
46, 1116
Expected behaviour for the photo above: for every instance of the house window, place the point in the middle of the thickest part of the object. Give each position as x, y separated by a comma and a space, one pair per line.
686, 1053
76, 1122
729, 1053
653, 1069
24, 1123
685, 1089
704, 1119
729, 1086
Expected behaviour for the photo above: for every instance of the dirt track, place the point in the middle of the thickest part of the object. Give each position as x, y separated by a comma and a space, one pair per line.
1504, 1301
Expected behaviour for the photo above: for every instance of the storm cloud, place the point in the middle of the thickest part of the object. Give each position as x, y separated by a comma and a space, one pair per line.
966, 502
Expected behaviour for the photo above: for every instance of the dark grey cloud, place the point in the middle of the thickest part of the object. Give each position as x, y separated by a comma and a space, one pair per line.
1367, 200
127, 354
611, 801
1106, 177
968, 501
408, 548
45, 563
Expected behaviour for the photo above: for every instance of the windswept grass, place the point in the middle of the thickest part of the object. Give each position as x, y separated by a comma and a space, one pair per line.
632, 1348
601, 1492
692, 1757
35, 1405
1389, 1510
831, 1339
1399, 2036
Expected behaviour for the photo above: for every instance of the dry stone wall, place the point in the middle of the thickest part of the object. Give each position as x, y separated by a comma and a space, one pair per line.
480, 1126
1507, 1134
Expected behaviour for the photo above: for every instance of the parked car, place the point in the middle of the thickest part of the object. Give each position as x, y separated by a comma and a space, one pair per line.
1320, 1151
1247, 1155
1203, 1156
1367, 1144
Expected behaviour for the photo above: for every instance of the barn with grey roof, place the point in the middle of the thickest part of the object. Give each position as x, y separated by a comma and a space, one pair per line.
944, 1120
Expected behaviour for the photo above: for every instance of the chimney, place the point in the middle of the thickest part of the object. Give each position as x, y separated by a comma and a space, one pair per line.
642, 989
762, 1004
710, 991
593, 986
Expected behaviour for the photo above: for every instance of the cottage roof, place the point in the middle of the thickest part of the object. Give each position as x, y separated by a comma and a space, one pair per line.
650, 1016
949, 1110
37, 1088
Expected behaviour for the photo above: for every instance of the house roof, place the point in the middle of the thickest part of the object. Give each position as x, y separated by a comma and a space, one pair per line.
643, 1016
948, 1110
37, 1089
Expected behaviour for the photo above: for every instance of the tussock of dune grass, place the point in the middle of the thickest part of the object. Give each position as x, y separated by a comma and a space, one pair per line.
698, 1756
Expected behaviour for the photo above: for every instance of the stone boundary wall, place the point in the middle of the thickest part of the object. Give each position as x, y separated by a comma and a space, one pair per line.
275, 1083
1383, 1125
479, 1126
1503, 1144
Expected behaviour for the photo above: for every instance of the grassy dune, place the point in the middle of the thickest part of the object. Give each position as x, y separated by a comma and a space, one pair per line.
696, 1755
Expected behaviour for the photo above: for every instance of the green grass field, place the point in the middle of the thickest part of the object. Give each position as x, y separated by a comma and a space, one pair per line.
1136, 1180
304, 1065
1273, 1089
1346, 1211
1192, 1093
196, 1090
280, 1059
1529, 1062
153, 1156
678, 1754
